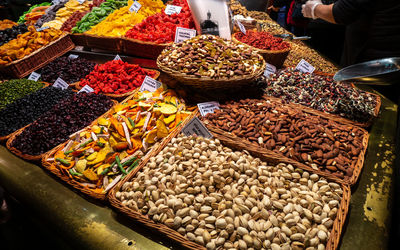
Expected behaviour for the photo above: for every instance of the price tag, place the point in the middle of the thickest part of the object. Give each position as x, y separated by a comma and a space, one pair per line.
269, 70
42, 28
150, 84
117, 57
60, 83
182, 34
73, 56
207, 107
86, 89
81, 1
135, 7
195, 126
241, 27
34, 76
305, 67
172, 9
55, 2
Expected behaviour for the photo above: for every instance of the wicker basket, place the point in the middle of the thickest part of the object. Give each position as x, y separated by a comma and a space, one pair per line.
274, 57
66, 177
207, 83
139, 48
28, 157
332, 243
119, 97
24, 66
111, 44
79, 39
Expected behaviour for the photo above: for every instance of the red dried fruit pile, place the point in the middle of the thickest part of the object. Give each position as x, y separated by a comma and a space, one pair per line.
262, 40
161, 28
116, 77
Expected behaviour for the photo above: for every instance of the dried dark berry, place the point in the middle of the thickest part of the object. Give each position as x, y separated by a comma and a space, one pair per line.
9, 34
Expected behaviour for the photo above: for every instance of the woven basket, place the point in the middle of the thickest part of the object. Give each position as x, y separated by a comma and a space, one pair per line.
274, 57
119, 96
144, 49
28, 157
66, 177
79, 39
207, 83
24, 66
6, 137
251, 147
174, 235
111, 44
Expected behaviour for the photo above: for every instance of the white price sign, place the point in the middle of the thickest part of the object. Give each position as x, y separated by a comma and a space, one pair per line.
73, 56
81, 1
86, 89
269, 70
55, 2
195, 126
42, 28
207, 107
172, 9
150, 84
241, 26
117, 57
135, 7
305, 67
34, 76
60, 83
183, 34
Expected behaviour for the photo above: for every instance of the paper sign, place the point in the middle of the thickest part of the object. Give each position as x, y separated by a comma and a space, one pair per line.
34, 76
42, 28
73, 56
195, 126
241, 27
207, 107
55, 2
135, 7
182, 34
86, 89
117, 57
150, 84
305, 67
81, 1
60, 83
172, 9
269, 70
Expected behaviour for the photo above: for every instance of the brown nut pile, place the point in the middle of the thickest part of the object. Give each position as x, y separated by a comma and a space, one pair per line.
322, 144
224, 199
211, 56
237, 8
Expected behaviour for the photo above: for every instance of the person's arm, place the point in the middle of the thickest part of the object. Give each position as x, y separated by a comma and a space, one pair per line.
325, 12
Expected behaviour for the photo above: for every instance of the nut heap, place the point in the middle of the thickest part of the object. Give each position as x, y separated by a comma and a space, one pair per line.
219, 198
211, 56
322, 144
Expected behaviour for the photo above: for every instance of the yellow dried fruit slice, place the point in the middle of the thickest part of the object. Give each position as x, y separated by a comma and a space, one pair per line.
151, 136
169, 119
81, 166
92, 156
90, 174
102, 121
168, 109
162, 130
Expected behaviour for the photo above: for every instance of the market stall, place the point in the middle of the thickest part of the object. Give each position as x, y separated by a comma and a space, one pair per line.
148, 136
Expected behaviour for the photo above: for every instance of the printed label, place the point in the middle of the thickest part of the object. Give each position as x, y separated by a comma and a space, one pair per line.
241, 27
207, 107
117, 57
73, 56
34, 76
269, 70
183, 34
81, 1
135, 7
86, 89
172, 9
55, 2
305, 67
195, 126
60, 83
42, 28
150, 84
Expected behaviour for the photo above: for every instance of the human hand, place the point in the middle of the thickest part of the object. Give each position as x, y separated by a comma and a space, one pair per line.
276, 9
309, 7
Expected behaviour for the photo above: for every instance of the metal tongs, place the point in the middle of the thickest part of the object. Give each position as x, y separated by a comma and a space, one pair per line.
291, 37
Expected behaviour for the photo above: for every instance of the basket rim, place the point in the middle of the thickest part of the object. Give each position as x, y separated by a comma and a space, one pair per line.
63, 36
125, 38
264, 51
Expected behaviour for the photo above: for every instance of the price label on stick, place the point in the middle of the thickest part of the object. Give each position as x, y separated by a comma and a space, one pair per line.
269, 70
42, 28
183, 34
34, 76
81, 1
55, 2
196, 127
150, 84
73, 56
172, 9
60, 83
135, 7
241, 26
207, 107
117, 57
86, 89
305, 67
